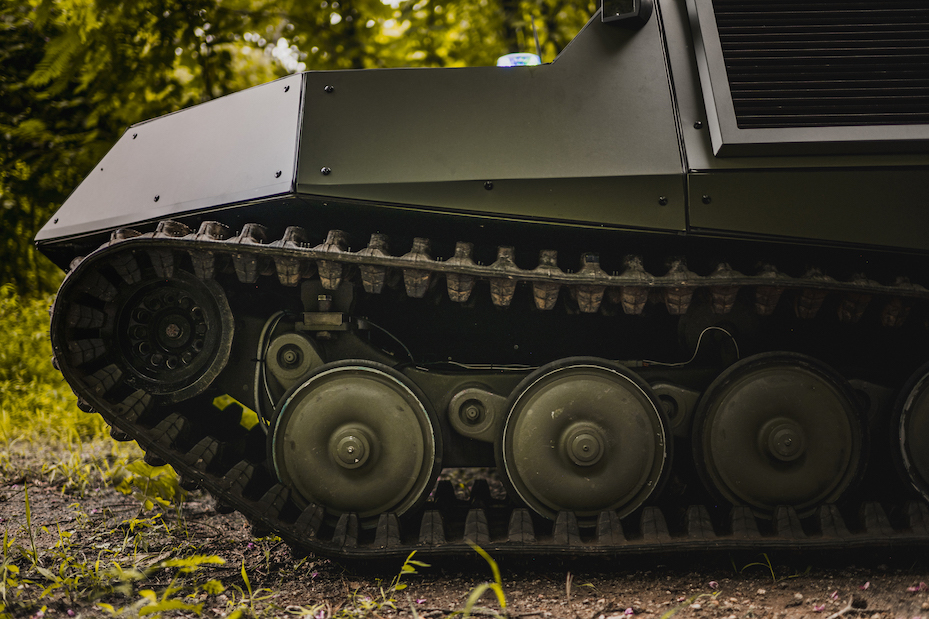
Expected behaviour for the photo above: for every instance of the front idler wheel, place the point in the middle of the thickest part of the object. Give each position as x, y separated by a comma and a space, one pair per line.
357, 437
779, 429
172, 336
584, 435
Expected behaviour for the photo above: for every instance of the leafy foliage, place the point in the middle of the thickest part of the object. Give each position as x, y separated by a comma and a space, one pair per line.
34, 399
76, 73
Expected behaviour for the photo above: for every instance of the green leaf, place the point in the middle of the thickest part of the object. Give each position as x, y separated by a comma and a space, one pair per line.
213, 587
160, 607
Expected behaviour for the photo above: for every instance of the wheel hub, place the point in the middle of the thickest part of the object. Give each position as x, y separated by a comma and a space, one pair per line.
173, 336
584, 444
350, 447
782, 439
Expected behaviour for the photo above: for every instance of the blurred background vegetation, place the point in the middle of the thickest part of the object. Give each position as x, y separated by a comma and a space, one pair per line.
74, 74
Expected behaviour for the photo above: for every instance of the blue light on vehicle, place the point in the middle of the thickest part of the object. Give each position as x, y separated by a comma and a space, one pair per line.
520, 59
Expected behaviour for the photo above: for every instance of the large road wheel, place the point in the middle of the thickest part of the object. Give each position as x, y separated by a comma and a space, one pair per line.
584, 435
911, 430
357, 437
779, 429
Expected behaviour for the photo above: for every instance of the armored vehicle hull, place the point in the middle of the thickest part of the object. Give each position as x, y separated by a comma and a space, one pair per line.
670, 287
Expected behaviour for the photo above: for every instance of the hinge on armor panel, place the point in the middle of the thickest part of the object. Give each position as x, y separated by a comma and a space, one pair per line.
431, 530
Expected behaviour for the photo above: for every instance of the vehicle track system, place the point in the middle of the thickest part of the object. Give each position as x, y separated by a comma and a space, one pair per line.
143, 330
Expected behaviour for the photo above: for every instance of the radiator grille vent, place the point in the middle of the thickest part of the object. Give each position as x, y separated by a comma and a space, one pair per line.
826, 63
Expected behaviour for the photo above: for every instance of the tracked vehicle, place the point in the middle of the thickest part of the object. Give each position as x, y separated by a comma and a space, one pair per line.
671, 287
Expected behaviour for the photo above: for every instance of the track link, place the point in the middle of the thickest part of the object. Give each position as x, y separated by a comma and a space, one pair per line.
213, 450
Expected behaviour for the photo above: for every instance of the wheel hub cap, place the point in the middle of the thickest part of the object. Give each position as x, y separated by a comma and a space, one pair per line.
783, 439
584, 445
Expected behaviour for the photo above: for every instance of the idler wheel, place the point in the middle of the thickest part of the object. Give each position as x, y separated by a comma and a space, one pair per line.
584, 435
911, 427
357, 437
173, 336
779, 429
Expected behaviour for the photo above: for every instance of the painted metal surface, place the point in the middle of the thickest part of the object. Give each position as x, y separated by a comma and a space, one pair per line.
235, 148
590, 137
873, 207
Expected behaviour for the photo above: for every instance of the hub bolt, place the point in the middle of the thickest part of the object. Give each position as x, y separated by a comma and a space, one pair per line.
350, 447
472, 412
173, 331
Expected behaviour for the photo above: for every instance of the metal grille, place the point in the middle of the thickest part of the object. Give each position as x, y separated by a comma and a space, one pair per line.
826, 62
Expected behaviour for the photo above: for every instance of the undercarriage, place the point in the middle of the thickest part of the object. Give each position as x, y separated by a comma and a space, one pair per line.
322, 392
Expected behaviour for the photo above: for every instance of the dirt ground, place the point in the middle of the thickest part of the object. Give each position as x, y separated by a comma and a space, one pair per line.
75, 536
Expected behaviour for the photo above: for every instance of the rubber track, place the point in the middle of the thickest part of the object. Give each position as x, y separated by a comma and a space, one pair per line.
447, 525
